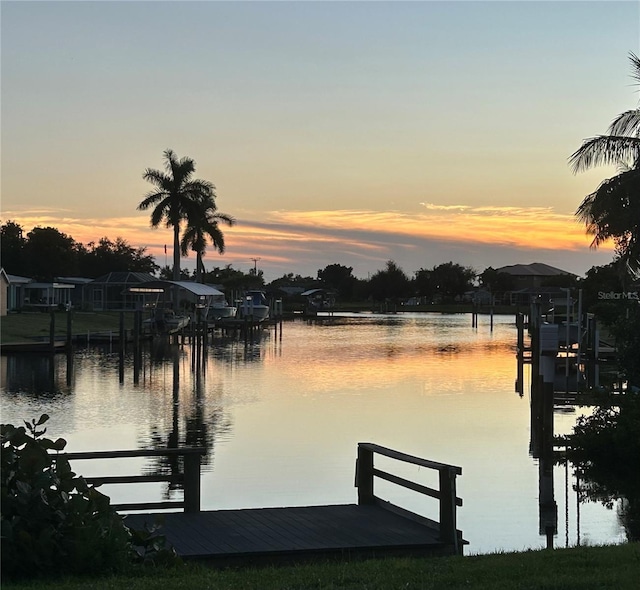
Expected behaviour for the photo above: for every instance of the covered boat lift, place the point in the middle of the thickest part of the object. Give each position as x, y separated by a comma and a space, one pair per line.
202, 296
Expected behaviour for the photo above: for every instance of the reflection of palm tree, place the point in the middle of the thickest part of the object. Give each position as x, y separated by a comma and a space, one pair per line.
613, 210
199, 430
202, 224
175, 194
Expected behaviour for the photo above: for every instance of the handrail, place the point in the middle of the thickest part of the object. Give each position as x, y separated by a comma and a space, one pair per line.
406, 458
446, 494
190, 478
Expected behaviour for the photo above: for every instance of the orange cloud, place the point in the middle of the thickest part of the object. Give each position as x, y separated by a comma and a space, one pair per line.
534, 227
286, 237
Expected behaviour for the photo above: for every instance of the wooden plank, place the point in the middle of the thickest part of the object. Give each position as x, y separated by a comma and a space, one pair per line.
405, 483
291, 531
115, 479
166, 505
409, 458
132, 453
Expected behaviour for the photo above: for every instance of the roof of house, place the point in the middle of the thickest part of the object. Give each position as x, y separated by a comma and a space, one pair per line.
536, 269
49, 286
125, 278
193, 287
18, 280
73, 280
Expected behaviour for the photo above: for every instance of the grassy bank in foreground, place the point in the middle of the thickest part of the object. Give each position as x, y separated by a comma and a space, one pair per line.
615, 567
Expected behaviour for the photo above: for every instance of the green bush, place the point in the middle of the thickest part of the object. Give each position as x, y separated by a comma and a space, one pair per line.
52, 521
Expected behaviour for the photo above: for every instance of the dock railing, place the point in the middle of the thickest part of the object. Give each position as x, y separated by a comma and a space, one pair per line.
190, 479
366, 471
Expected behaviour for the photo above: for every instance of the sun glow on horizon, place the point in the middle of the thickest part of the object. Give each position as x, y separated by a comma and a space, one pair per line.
285, 237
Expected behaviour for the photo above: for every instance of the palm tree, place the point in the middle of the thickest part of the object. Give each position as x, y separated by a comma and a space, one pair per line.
175, 194
202, 224
612, 211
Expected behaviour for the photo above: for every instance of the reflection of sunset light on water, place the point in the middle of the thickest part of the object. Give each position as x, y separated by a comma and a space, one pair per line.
366, 359
281, 416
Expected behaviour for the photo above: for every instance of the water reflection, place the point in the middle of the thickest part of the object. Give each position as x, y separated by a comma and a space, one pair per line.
201, 422
35, 374
282, 414
599, 466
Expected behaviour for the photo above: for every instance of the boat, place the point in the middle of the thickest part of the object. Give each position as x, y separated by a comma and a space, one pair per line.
219, 309
253, 306
318, 300
165, 321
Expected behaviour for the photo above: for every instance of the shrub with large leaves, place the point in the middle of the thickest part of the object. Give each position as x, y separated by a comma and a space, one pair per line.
52, 521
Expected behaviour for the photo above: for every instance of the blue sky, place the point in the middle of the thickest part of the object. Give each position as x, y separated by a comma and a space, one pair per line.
335, 132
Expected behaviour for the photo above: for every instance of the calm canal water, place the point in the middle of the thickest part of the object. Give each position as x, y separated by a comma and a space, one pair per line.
281, 418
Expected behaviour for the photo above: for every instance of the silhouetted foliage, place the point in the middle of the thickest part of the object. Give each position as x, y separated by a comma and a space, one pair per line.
52, 521
498, 283
612, 211
232, 279
49, 253
338, 278
445, 282
626, 329
179, 198
605, 449
12, 244
291, 280
46, 253
390, 284
107, 256
612, 277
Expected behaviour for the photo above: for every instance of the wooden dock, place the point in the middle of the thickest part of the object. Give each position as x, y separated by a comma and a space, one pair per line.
294, 534
371, 528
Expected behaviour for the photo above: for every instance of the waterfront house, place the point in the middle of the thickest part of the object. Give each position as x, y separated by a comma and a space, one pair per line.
16, 291
47, 296
112, 291
530, 282
4, 291
78, 293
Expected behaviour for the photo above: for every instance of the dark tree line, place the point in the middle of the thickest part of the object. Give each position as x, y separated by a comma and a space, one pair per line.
45, 253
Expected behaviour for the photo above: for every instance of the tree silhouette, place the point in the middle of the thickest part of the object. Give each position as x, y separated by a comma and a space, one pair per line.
612, 211
176, 197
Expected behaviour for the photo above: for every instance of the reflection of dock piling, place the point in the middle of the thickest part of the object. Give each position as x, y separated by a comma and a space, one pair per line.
564, 366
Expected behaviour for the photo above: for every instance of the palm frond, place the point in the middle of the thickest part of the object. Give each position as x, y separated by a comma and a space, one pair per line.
160, 212
228, 219
635, 66
151, 199
157, 178
626, 124
605, 150
613, 210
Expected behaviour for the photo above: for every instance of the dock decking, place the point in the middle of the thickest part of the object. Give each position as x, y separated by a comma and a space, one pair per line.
372, 527
294, 533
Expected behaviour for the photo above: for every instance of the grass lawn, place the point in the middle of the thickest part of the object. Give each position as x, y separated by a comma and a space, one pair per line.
30, 326
584, 568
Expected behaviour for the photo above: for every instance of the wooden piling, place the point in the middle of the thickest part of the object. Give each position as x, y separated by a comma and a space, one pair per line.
52, 329
364, 475
69, 331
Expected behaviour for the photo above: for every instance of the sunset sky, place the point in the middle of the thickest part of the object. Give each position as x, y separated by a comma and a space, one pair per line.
335, 132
